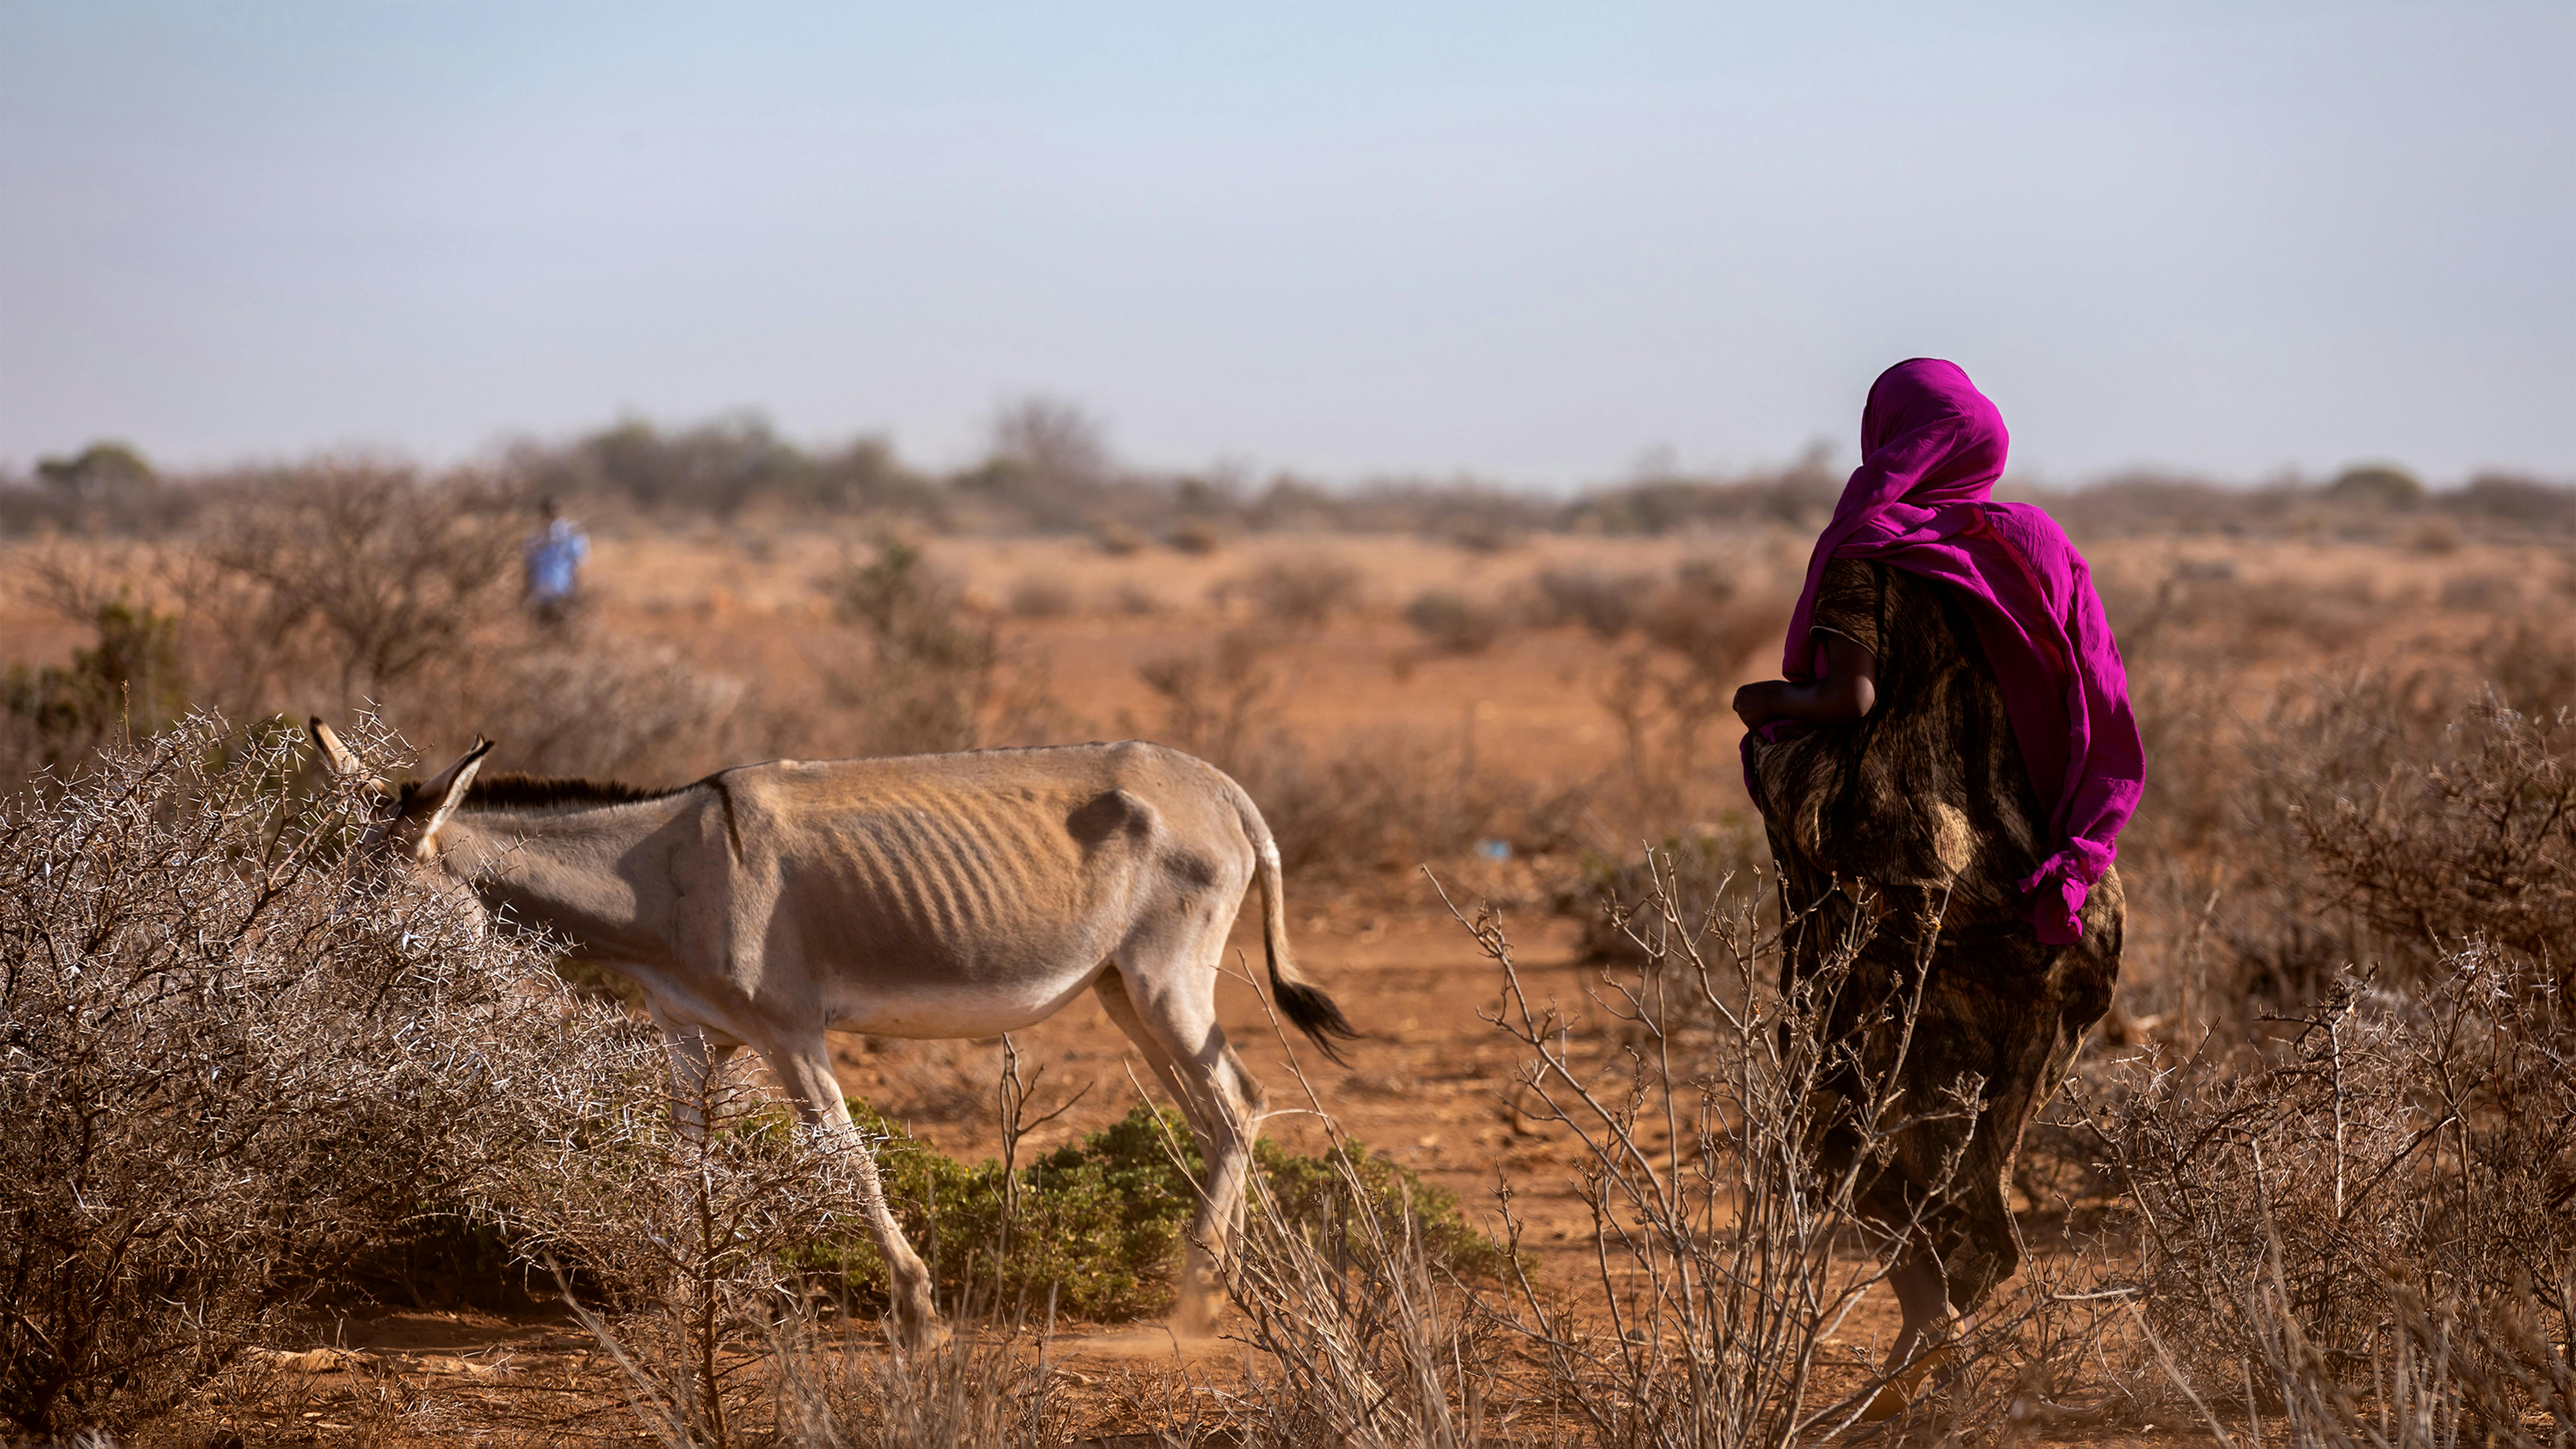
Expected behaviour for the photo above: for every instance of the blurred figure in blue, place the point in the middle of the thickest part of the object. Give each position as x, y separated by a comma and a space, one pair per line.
554, 555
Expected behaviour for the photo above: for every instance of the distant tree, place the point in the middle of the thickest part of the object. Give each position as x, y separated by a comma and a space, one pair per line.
1050, 461
867, 475
2513, 499
395, 575
100, 468
1055, 440
717, 466
2379, 484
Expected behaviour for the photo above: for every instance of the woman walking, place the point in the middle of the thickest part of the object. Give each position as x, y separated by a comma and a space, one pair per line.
1944, 773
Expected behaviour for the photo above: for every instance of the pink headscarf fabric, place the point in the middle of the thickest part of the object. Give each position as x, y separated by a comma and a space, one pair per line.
1922, 500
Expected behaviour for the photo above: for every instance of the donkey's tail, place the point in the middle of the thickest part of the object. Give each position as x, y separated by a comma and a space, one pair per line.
1300, 1000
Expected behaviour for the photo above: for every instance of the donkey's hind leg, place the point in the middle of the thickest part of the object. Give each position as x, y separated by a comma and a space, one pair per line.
1167, 1006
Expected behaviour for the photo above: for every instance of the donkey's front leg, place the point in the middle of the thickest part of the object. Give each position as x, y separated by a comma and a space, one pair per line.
698, 1059
806, 1072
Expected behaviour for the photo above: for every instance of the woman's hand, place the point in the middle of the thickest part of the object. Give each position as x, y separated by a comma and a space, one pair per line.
1847, 691
1759, 704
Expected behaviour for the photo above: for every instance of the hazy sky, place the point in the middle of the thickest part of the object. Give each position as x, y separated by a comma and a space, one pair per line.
1534, 242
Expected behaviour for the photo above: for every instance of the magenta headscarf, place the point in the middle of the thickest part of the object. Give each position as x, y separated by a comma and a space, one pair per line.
1922, 500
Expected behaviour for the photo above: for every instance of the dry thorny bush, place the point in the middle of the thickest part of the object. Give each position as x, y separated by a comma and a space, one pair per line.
351, 585
1669, 702
2367, 1218
392, 577
2469, 837
2383, 805
935, 668
2344, 1153
226, 1068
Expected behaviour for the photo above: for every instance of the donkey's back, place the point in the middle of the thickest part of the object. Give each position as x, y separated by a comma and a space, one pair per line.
965, 894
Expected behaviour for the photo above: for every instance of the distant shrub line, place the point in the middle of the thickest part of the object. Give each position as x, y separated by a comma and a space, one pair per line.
1049, 471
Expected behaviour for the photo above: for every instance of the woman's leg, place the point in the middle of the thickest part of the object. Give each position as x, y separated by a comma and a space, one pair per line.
1918, 1352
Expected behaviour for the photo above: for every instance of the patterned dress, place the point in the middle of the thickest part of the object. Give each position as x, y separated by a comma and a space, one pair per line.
1910, 827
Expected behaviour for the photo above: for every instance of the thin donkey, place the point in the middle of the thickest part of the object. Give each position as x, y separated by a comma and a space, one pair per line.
935, 896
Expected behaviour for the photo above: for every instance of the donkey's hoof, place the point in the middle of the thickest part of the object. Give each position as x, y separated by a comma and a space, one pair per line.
918, 1335
1194, 1314
915, 1324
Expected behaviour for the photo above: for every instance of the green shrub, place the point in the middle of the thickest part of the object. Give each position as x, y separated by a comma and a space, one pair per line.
1102, 1221
1308, 1189
935, 663
133, 681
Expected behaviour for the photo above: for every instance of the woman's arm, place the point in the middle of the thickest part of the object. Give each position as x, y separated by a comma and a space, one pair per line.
1847, 691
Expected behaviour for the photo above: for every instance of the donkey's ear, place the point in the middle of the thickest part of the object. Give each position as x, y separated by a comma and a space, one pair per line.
438, 798
335, 755
337, 760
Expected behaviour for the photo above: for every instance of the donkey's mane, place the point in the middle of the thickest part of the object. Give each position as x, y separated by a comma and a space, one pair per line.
532, 792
